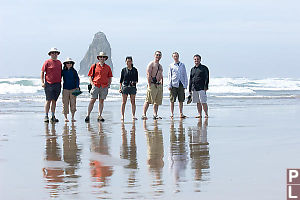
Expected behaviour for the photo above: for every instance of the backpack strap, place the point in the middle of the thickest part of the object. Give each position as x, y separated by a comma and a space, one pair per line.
93, 74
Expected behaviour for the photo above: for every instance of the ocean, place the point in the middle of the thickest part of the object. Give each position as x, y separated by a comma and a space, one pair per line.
30, 90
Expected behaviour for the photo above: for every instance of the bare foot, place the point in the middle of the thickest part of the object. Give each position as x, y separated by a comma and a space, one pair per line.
122, 118
182, 116
73, 120
171, 116
206, 116
199, 116
134, 118
66, 120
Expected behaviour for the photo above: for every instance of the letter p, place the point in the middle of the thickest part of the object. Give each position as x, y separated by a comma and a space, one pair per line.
293, 174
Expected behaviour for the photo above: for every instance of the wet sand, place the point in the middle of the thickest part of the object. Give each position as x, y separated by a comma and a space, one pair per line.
241, 152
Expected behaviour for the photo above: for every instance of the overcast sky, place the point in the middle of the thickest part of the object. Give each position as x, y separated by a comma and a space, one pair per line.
236, 38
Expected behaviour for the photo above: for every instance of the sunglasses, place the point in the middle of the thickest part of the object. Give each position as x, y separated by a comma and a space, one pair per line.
158, 54
69, 63
102, 56
54, 52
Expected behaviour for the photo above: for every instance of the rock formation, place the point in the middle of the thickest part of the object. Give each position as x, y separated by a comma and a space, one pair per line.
100, 43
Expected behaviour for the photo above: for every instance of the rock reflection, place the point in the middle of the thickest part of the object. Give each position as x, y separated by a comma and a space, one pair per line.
178, 152
61, 174
155, 155
199, 152
100, 171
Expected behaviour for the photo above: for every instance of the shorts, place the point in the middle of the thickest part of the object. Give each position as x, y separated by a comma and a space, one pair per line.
154, 94
174, 92
199, 96
52, 91
99, 92
128, 90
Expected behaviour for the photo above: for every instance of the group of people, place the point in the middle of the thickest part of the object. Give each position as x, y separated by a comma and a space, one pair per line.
100, 77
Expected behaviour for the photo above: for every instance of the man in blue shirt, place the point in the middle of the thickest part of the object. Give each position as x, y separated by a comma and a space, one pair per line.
178, 82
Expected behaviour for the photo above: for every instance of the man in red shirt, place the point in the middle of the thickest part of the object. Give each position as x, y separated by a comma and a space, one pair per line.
100, 76
51, 82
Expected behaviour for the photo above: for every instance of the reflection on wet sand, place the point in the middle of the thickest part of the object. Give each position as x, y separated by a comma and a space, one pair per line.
128, 151
178, 152
61, 174
71, 150
199, 152
100, 171
155, 155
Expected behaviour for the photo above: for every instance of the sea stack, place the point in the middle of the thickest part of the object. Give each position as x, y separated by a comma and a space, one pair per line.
99, 43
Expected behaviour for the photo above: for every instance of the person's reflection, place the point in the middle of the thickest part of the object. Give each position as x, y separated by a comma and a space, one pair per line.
99, 144
71, 150
52, 173
199, 150
129, 152
155, 152
178, 150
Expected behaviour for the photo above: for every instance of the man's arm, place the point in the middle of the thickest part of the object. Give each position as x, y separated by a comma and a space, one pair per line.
149, 72
186, 81
43, 79
191, 77
170, 78
207, 79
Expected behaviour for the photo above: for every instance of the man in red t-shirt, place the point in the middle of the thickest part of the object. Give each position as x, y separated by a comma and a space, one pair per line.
100, 76
51, 82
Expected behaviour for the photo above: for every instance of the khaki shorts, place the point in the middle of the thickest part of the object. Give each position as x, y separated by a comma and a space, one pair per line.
99, 92
154, 94
174, 92
69, 100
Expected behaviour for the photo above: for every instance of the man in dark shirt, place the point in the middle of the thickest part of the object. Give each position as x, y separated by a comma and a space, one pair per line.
199, 79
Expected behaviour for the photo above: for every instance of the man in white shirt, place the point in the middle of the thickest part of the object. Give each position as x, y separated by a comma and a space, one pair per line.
178, 82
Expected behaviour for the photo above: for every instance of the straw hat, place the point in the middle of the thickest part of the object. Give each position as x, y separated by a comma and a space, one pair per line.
102, 54
53, 49
69, 60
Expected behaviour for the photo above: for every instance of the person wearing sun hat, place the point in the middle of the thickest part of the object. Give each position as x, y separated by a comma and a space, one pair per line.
100, 76
51, 82
70, 85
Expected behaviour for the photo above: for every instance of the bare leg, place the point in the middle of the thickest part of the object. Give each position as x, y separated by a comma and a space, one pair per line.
205, 108
101, 104
181, 110
133, 106
155, 109
66, 117
199, 107
124, 99
47, 106
146, 106
53, 106
73, 114
91, 106
172, 109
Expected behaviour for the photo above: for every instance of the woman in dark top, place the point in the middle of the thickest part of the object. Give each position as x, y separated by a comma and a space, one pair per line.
71, 83
128, 80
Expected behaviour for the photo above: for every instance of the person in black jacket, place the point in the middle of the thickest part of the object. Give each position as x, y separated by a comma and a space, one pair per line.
199, 79
128, 80
71, 83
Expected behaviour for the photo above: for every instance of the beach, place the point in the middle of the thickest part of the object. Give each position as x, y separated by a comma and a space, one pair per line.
241, 151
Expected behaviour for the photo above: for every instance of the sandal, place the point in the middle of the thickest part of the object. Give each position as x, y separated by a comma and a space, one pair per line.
100, 119
156, 117
144, 117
